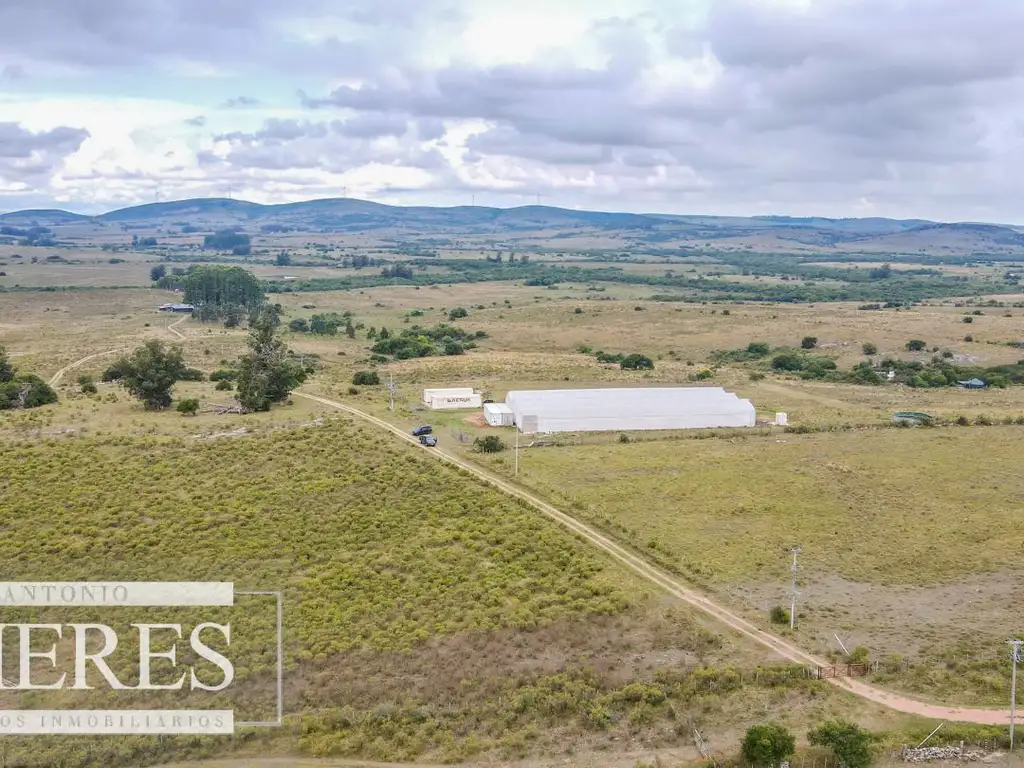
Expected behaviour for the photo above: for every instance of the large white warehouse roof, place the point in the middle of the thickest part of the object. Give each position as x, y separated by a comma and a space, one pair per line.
636, 408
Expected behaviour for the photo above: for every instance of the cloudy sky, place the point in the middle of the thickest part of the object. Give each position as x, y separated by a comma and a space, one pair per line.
903, 108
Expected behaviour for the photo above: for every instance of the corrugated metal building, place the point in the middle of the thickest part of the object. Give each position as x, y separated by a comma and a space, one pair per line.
498, 415
637, 408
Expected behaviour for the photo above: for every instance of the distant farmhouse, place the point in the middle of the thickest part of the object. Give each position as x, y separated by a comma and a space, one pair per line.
176, 308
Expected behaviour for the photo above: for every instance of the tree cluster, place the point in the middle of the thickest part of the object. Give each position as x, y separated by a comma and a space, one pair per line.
25, 390
413, 342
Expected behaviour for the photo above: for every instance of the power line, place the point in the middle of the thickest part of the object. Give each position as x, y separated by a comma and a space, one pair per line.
792, 604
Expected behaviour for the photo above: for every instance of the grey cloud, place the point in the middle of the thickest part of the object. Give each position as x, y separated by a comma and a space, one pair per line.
28, 155
233, 35
902, 102
12, 73
241, 102
198, 121
336, 147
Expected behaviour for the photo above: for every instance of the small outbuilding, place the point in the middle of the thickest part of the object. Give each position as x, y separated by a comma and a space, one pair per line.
498, 415
452, 397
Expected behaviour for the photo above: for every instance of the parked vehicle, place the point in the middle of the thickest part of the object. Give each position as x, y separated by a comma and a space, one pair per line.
428, 440
426, 429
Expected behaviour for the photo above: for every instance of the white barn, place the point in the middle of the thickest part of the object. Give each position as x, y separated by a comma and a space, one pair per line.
636, 408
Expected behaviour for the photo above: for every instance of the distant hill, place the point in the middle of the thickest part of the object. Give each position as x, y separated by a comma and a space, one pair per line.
554, 227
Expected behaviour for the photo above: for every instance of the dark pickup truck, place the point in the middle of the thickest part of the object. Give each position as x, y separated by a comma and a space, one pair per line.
426, 429
428, 440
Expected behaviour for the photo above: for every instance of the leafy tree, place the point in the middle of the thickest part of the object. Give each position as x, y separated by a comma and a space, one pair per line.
325, 324
458, 312
226, 240
283, 259
868, 348
850, 743
233, 315
150, 373
266, 375
299, 325
157, 272
6, 367
188, 406
809, 342
916, 345
366, 378
350, 330
489, 444
87, 385
636, 362
767, 745
224, 385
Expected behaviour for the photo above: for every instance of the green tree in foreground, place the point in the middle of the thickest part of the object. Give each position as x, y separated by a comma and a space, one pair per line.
266, 375
767, 745
850, 743
150, 372
21, 390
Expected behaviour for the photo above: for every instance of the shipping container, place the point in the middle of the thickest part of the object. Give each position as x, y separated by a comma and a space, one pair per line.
498, 415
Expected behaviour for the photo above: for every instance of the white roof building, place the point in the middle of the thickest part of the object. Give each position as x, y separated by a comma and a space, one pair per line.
635, 408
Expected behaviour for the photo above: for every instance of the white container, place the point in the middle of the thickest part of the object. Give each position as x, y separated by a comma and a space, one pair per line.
444, 402
430, 394
498, 415
781, 419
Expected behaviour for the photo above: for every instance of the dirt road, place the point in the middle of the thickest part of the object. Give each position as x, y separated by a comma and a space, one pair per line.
687, 595
60, 374
173, 326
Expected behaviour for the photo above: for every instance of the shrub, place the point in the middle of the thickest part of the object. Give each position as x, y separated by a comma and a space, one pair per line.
87, 385
868, 348
725, 312
779, 615
767, 745
915, 345
489, 444
788, 361
850, 743
188, 406
299, 325
968, 319
224, 386
636, 362
458, 312
224, 374
756, 376
578, 311
366, 378
758, 348
809, 342
353, 391
968, 338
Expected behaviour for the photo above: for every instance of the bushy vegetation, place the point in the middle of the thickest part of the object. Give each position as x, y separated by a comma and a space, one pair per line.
489, 444
24, 390
767, 746
218, 290
150, 373
416, 341
376, 549
850, 743
267, 374
365, 378
228, 240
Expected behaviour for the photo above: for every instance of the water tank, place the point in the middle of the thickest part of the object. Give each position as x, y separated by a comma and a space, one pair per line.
781, 419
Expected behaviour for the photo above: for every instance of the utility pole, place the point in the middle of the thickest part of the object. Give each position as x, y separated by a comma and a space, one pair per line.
1015, 645
517, 450
792, 604
391, 391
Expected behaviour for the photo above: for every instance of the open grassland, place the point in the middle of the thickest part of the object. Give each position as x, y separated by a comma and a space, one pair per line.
426, 617
909, 536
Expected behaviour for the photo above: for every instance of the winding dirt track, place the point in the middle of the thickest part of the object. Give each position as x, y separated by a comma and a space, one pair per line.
687, 595
60, 374
173, 326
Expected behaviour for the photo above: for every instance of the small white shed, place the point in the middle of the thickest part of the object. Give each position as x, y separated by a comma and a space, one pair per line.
498, 415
